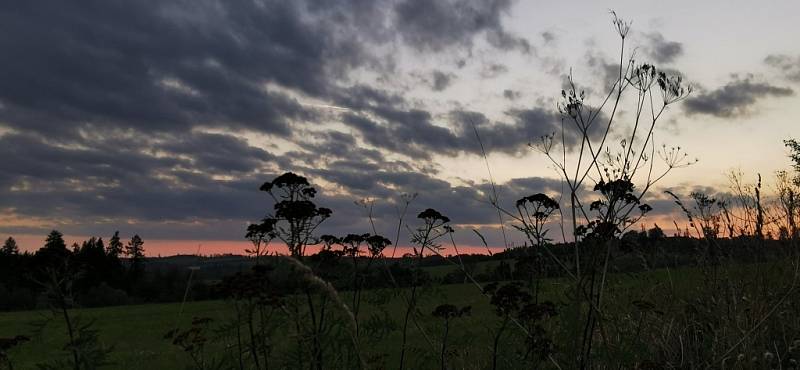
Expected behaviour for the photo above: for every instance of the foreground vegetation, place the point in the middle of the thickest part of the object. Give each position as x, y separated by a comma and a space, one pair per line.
641, 300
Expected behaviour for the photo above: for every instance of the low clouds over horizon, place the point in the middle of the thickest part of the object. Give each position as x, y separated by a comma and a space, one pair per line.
166, 116
737, 98
116, 111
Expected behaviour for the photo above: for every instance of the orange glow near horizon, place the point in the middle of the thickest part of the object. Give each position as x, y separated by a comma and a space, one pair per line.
171, 247
164, 247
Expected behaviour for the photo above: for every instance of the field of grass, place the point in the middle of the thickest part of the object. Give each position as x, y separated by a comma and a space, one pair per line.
438, 272
136, 332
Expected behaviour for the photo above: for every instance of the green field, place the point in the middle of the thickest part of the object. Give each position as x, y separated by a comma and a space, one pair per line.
440, 271
136, 332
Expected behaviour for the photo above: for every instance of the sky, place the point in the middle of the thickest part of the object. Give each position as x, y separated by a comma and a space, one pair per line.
163, 118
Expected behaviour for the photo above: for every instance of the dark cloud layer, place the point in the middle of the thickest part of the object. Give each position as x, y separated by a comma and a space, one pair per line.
442, 80
174, 198
98, 182
492, 70
787, 65
661, 49
130, 114
156, 67
437, 25
511, 94
418, 134
117, 112
169, 65
735, 99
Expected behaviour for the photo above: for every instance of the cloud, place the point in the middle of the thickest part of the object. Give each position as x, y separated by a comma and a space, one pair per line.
492, 70
787, 65
172, 65
605, 72
409, 132
526, 126
322, 147
157, 179
511, 94
160, 190
387, 124
217, 153
115, 111
436, 80
442, 80
737, 98
549, 37
132, 115
418, 135
162, 67
662, 50
164, 193
465, 204
447, 24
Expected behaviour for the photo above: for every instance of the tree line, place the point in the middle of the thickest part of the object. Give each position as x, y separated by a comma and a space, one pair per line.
100, 273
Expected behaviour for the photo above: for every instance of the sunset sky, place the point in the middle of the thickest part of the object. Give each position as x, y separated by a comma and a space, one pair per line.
164, 117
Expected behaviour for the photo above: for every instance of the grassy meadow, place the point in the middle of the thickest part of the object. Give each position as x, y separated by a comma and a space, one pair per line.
136, 332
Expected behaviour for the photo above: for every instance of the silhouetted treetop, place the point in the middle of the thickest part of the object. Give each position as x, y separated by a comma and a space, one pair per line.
135, 247
351, 244
55, 241
115, 247
10, 246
